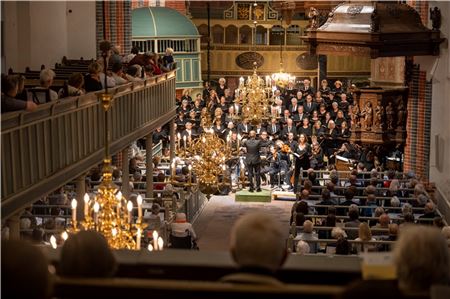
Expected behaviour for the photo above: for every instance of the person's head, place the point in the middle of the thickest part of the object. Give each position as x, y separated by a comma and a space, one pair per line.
384, 220
340, 114
10, 85
257, 240
155, 209
252, 134
429, 207
117, 68
343, 246
299, 95
95, 68
304, 194
305, 122
302, 247
353, 213
421, 257
289, 121
302, 139
290, 136
87, 254
222, 81
371, 189
395, 202
331, 125
300, 109
324, 83
308, 226
393, 229
24, 271
364, 232
76, 80
343, 97
294, 101
169, 51
46, 77
446, 232
326, 195
407, 208
309, 98
337, 233
349, 194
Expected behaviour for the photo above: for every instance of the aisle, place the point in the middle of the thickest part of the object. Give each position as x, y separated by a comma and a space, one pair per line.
214, 224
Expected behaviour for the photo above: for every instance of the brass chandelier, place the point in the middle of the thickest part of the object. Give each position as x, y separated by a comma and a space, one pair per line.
206, 156
110, 213
254, 97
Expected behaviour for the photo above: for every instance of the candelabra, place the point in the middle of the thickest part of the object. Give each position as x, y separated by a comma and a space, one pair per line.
206, 156
109, 213
254, 98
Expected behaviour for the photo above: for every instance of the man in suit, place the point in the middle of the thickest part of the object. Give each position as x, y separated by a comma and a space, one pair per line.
273, 129
253, 160
309, 105
293, 107
244, 128
289, 128
188, 133
307, 89
299, 116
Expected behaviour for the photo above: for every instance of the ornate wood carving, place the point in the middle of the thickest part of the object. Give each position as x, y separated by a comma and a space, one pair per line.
246, 60
307, 61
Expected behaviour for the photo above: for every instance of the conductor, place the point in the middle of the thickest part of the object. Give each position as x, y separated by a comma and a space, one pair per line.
253, 160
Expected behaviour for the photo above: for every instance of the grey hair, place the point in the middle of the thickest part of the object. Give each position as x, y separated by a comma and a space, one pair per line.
303, 247
353, 207
46, 75
257, 240
395, 202
378, 211
407, 208
427, 264
337, 232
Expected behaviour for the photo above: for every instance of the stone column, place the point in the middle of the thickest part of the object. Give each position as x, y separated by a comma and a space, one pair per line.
81, 190
14, 226
126, 172
172, 140
149, 164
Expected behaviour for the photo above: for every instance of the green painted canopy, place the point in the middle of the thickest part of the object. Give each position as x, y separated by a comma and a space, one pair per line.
161, 22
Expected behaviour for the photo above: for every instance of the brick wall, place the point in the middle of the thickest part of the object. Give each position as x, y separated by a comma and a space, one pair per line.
177, 5
421, 6
117, 21
417, 150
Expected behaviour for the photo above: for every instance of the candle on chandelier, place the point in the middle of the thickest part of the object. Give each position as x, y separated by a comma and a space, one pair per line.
179, 140
174, 167
74, 211
160, 243
86, 205
155, 240
64, 235
138, 239
184, 141
139, 202
130, 209
53, 242
96, 210
190, 174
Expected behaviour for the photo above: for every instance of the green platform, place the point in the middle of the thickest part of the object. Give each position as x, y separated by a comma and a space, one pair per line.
245, 196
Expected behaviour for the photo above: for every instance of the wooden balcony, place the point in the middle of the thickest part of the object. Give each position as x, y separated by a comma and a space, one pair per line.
60, 141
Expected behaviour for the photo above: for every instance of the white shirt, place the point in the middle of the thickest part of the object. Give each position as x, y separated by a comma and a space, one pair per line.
179, 229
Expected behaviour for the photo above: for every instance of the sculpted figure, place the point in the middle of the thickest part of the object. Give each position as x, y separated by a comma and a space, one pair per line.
379, 113
367, 114
401, 115
390, 116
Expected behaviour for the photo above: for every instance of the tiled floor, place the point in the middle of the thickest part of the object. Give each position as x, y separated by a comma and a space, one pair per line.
214, 224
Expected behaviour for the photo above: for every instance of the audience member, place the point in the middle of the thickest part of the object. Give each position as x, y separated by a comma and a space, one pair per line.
86, 254
10, 87
24, 271
309, 235
46, 80
258, 247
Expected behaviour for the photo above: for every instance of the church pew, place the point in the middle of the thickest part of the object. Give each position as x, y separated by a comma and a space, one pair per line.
145, 288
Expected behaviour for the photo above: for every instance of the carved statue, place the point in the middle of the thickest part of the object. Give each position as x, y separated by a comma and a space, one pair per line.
379, 114
313, 16
401, 115
435, 17
354, 116
390, 116
367, 114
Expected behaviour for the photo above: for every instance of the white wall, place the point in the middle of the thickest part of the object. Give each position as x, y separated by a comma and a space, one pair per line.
42, 32
81, 29
438, 70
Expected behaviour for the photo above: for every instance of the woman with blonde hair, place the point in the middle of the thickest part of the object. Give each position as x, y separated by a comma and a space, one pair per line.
364, 235
221, 88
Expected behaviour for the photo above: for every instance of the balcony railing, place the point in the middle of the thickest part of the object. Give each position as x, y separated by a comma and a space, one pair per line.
46, 148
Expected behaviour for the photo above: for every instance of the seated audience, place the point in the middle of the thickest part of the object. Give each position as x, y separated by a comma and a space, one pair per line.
181, 228
258, 247
302, 248
92, 79
10, 85
46, 80
364, 234
74, 86
309, 235
86, 254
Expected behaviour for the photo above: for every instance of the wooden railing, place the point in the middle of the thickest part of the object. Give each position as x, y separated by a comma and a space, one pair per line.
59, 141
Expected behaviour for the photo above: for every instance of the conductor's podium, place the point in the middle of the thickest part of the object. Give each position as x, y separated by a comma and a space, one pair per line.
246, 196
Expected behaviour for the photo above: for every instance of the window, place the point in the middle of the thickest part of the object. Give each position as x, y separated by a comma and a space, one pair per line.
293, 35
277, 35
203, 31
261, 35
245, 35
217, 34
231, 35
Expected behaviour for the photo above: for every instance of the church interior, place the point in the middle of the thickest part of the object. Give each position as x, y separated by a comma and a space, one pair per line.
207, 149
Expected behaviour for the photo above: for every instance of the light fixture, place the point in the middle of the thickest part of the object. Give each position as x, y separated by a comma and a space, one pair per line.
281, 78
109, 212
253, 96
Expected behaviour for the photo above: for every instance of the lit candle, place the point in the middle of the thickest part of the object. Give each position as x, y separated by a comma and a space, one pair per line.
53, 242
96, 210
119, 202
74, 212
150, 247
237, 109
174, 167
184, 141
155, 240
64, 235
86, 205
179, 140
114, 232
190, 174
238, 139
130, 209
138, 239
139, 202
160, 243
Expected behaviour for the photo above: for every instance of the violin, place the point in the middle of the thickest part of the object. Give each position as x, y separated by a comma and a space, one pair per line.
285, 148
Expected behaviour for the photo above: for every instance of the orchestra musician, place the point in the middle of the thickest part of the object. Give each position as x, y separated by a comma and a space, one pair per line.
301, 153
316, 161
